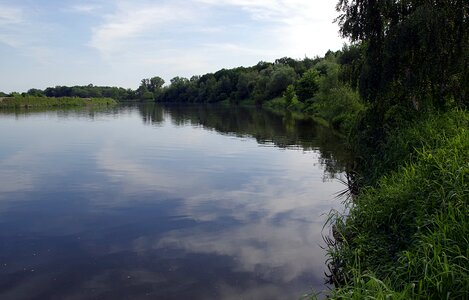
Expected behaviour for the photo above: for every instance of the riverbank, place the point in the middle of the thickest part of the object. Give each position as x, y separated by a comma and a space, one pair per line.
405, 234
32, 101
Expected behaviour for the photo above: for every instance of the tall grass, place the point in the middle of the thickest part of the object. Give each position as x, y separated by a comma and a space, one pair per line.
407, 236
428, 131
32, 101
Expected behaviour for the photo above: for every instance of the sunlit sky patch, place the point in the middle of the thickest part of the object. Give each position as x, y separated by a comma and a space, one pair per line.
117, 43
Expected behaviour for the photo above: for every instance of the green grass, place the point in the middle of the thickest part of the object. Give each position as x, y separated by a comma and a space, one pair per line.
407, 236
429, 131
31, 101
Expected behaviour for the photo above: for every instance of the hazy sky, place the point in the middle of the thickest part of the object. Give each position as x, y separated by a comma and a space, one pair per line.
69, 42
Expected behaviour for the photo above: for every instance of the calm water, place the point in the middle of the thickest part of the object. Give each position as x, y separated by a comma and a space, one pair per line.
156, 202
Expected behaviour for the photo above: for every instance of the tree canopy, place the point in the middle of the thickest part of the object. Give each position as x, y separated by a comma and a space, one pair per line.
414, 49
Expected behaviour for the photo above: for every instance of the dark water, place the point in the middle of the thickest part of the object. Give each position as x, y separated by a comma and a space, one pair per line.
163, 203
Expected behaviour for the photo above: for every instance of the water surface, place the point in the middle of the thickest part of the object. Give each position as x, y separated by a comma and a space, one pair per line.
152, 202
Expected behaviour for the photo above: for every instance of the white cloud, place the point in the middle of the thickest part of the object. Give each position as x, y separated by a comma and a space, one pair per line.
11, 20
132, 24
299, 27
10, 15
85, 8
170, 36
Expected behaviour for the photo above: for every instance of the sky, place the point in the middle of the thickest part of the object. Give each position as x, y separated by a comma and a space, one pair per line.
117, 43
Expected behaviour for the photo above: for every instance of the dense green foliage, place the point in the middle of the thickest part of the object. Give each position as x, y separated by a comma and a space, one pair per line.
256, 84
307, 86
87, 91
310, 86
32, 101
149, 89
415, 50
407, 236
410, 57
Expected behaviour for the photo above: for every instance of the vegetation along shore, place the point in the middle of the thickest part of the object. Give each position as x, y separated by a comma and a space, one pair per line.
27, 101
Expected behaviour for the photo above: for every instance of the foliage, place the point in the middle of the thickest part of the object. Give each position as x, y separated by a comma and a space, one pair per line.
416, 52
351, 63
290, 95
331, 100
402, 143
258, 84
307, 86
41, 101
406, 237
280, 79
339, 106
150, 89
88, 91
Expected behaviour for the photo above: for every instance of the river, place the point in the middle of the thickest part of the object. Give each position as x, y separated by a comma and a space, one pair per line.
164, 202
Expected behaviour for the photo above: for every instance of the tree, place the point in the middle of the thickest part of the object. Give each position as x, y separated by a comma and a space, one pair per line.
351, 62
289, 95
282, 76
35, 92
245, 85
155, 84
307, 86
223, 88
414, 50
150, 88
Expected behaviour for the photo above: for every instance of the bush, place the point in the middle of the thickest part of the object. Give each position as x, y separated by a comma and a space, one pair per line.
339, 106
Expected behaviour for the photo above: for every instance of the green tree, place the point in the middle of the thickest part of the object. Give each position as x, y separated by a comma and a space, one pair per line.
245, 85
282, 76
307, 86
289, 95
150, 88
35, 92
155, 84
414, 50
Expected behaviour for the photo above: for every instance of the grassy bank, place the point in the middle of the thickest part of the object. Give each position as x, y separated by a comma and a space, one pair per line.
31, 101
407, 235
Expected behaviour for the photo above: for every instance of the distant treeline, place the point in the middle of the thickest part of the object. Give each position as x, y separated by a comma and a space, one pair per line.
85, 91
325, 87
258, 83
